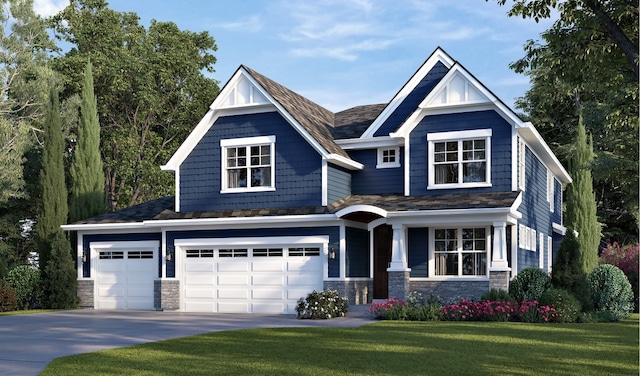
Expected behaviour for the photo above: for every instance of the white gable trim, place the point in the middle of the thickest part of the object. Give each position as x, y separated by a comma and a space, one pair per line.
540, 148
437, 56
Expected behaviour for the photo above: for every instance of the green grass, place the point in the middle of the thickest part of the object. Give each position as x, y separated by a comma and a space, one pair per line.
384, 348
27, 312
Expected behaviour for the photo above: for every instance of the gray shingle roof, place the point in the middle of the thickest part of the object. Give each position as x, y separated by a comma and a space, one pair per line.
353, 122
163, 208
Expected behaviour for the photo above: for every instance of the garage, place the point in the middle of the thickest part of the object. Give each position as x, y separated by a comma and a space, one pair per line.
124, 274
244, 277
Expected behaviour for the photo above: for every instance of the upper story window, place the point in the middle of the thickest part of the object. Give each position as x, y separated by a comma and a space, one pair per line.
460, 159
248, 164
388, 157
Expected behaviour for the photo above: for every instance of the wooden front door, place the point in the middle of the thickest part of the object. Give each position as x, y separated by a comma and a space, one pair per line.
382, 242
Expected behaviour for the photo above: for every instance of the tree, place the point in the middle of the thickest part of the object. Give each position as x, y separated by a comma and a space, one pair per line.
587, 49
581, 202
87, 189
150, 91
567, 270
60, 283
54, 192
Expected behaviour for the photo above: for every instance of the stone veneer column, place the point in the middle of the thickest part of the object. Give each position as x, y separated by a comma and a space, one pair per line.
499, 271
398, 271
85, 293
166, 294
399, 284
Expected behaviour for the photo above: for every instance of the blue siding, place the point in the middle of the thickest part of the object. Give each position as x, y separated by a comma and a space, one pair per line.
411, 102
556, 217
418, 251
534, 208
87, 239
500, 149
298, 173
338, 183
357, 255
371, 180
332, 231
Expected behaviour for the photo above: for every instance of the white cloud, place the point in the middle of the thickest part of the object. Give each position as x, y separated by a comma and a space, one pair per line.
46, 8
252, 23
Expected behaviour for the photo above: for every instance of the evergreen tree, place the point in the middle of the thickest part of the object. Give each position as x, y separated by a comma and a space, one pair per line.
60, 284
567, 270
87, 190
52, 178
581, 201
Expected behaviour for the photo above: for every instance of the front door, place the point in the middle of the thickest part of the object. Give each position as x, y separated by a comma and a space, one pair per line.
382, 242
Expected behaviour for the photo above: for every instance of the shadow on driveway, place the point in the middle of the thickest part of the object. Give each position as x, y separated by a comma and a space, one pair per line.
29, 342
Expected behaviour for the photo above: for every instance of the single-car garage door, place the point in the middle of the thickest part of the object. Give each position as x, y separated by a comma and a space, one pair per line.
249, 279
124, 276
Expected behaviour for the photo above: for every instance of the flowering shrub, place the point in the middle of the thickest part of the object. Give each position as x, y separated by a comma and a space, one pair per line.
527, 311
627, 259
324, 304
416, 308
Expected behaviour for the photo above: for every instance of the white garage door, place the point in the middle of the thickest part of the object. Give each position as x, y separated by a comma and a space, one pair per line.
124, 278
251, 279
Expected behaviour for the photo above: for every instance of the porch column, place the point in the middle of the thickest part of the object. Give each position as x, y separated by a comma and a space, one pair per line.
499, 249
499, 270
398, 271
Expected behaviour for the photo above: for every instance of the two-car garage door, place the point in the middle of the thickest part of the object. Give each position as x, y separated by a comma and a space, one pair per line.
249, 276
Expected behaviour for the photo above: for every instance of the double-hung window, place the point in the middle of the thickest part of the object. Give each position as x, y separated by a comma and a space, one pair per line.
459, 159
248, 164
460, 252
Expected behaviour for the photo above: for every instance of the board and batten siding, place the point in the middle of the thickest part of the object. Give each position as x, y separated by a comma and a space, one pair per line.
338, 183
500, 149
298, 167
358, 252
418, 251
375, 181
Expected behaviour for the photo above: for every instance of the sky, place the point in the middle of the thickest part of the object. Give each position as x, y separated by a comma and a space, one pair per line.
344, 53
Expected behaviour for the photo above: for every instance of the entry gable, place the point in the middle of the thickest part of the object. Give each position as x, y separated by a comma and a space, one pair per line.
456, 89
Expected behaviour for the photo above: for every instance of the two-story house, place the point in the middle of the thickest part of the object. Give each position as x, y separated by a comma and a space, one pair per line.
442, 190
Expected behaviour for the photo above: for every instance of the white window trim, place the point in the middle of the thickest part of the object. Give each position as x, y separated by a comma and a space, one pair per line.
432, 267
551, 190
459, 136
549, 253
541, 251
522, 162
245, 142
382, 164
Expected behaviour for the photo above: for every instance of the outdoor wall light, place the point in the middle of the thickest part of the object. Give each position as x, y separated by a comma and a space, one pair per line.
332, 253
169, 255
84, 257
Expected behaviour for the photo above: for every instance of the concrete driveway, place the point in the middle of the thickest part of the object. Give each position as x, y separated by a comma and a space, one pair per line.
29, 342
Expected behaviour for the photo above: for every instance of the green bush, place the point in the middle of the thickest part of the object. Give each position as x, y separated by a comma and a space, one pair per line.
567, 271
496, 295
8, 300
26, 282
567, 306
611, 291
324, 304
529, 284
59, 280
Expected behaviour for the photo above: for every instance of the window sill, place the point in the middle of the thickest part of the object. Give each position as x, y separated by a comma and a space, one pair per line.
387, 165
247, 190
456, 186
451, 279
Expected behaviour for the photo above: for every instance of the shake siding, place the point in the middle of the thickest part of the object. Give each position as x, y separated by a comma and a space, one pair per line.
371, 180
87, 239
332, 231
298, 174
534, 208
500, 149
357, 255
338, 183
418, 251
411, 102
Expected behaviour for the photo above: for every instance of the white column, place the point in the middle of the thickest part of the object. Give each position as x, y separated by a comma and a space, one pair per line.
499, 249
398, 251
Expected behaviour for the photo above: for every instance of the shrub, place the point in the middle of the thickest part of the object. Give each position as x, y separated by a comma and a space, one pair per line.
26, 282
627, 259
390, 309
497, 295
526, 311
59, 279
324, 304
611, 291
529, 284
567, 271
8, 300
567, 306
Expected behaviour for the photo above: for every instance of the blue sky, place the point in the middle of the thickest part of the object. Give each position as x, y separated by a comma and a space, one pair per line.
343, 53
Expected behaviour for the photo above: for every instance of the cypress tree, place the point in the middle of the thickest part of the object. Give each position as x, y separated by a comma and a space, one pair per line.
567, 270
581, 201
52, 179
60, 284
87, 190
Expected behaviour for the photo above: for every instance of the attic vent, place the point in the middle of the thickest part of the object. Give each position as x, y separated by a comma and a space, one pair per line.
243, 93
458, 89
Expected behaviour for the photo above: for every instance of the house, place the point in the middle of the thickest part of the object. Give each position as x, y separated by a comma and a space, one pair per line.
442, 190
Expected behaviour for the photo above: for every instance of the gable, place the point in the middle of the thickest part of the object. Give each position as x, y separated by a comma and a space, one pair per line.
243, 93
457, 89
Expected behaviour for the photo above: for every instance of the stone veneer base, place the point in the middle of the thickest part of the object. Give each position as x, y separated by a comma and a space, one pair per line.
85, 293
356, 292
166, 294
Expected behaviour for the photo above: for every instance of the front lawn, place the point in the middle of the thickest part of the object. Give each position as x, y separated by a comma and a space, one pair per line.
384, 348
